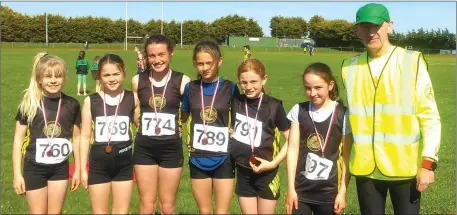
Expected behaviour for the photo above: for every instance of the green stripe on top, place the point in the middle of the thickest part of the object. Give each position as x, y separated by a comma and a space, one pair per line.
94, 66
82, 62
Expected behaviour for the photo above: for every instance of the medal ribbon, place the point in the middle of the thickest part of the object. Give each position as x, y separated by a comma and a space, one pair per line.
212, 102
163, 93
46, 121
115, 114
328, 131
249, 125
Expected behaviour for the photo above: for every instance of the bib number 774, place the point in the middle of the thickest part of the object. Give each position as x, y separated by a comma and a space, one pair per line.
163, 121
317, 168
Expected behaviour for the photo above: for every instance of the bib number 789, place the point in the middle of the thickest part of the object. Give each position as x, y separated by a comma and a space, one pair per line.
215, 139
218, 138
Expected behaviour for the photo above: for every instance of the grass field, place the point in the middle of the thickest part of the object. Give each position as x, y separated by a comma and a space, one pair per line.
284, 82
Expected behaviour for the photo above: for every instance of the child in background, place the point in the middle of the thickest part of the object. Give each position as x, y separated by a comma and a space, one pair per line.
94, 70
82, 67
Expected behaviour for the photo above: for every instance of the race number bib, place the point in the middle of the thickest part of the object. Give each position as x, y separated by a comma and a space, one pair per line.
317, 168
56, 152
241, 130
216, 138
119, 129
164, 121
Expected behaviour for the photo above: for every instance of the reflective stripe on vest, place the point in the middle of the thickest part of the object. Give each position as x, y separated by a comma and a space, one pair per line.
385, 129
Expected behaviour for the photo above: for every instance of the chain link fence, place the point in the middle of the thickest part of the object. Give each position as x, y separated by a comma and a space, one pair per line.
288, 48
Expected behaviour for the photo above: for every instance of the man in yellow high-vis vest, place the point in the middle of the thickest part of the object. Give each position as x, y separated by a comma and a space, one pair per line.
391, 110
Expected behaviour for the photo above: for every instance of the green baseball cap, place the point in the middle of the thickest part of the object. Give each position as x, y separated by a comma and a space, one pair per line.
372, 13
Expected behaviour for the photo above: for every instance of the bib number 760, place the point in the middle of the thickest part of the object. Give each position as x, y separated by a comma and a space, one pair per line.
51, 153
56, 150
317, 168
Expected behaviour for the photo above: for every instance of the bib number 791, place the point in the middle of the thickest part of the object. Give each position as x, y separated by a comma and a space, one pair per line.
244, 130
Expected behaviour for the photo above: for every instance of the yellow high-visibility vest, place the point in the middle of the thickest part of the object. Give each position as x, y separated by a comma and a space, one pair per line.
382, 115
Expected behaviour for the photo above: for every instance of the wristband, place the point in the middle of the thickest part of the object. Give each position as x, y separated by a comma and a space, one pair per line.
430, 165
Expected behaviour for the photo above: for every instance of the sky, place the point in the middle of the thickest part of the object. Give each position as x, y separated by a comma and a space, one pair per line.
407, 16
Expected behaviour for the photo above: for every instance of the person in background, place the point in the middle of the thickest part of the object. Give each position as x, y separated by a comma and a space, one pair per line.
82, 67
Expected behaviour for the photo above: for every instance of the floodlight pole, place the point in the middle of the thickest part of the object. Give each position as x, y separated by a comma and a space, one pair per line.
181, 35
46, 14
125, 42
161, 22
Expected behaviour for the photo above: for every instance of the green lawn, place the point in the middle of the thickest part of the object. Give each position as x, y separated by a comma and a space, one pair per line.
284, 70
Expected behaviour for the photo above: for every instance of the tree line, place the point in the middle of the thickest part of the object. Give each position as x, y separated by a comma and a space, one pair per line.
17, 27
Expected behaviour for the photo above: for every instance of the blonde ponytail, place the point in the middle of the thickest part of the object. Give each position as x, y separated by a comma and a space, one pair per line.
42, 63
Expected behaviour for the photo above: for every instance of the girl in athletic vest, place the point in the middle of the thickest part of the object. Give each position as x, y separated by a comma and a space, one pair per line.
158, 156
82, 67
207, 101
107, 124
319, 147
47, 131
257, 119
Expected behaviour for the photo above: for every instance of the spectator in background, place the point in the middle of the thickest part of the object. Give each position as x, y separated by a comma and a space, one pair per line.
82, 67
247, 52
139, 60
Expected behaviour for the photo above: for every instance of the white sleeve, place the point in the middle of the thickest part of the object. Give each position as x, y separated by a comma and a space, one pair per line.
293, 114
427, 113
346, 125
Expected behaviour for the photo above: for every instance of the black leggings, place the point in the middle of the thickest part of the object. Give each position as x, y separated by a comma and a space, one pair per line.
308, 208
372, 196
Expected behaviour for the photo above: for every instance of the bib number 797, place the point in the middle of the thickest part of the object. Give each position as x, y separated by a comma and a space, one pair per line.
317, 168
